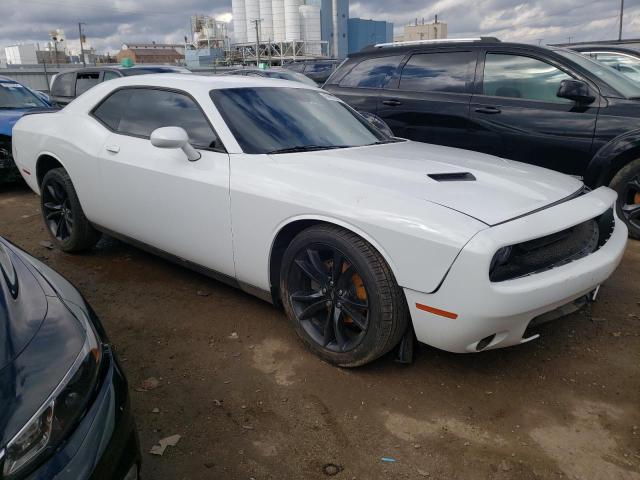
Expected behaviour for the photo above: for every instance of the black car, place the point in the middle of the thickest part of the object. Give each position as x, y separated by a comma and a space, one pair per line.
316, 70
64, 404
551, 107
69, 85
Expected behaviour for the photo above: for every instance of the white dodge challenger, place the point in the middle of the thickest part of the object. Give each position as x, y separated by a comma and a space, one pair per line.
286, 192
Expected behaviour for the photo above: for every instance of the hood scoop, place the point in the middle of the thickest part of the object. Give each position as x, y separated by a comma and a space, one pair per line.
453, 177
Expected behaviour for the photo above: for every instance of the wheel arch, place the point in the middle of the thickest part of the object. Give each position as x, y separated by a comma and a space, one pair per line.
291, 227
611, 157
45, 162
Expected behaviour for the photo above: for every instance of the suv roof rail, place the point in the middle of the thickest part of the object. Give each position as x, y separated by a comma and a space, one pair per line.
436, 40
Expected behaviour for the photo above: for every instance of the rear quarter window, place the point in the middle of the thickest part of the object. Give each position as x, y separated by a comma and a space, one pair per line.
372, 73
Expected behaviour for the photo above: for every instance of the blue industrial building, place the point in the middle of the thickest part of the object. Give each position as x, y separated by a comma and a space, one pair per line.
326, 22
368, 32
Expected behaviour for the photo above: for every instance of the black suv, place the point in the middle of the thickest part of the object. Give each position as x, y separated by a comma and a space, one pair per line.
547, 106
69, 85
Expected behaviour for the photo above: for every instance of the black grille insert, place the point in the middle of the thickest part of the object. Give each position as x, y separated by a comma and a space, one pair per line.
554, 250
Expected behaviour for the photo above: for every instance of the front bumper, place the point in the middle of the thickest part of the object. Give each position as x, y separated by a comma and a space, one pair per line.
105, 444
504, 309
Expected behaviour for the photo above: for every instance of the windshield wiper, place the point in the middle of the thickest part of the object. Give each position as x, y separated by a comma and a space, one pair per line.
306, 148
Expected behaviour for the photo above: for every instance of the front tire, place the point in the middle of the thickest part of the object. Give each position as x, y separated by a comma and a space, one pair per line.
63, 215
627, 183
341, 296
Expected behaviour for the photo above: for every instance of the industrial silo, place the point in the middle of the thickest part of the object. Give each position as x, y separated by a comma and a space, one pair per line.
310, 28
253, 14
266, 26
239, 21
277, 10
292, 20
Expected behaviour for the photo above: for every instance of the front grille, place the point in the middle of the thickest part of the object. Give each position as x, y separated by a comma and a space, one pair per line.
551, 251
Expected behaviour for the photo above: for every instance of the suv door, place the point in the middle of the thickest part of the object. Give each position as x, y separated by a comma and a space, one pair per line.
366, 81
156, 196
517, 114
430, 100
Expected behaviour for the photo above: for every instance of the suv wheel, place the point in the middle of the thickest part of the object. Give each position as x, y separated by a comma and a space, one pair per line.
627, 183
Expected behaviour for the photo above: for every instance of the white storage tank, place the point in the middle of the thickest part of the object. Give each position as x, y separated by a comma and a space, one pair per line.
292, 20
277, 11
310, 30
252, 13
239, 21
266, 26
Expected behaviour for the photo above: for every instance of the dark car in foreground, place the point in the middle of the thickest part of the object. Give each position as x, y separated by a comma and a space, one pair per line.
68, 85
550, 107
64, 404
279, 73
15, 101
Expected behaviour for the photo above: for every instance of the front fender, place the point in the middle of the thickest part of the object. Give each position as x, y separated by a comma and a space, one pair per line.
611, 157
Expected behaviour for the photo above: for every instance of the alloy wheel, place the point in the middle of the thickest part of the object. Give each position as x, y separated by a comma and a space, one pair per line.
329, 298
57, 210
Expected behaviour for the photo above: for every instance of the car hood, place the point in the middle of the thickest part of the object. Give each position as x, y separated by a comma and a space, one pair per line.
8, 118
493, 191
39, 341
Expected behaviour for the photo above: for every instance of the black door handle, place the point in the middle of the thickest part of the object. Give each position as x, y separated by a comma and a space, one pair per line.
392, 103
489, 110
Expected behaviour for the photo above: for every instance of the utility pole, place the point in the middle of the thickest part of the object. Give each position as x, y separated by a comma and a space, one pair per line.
335, 21
257, 24
81, 47
569, 38
621, 15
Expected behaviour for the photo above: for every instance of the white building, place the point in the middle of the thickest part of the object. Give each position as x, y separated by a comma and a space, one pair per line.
425, 31
24, 54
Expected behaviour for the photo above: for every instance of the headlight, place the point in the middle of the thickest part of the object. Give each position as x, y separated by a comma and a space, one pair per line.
59, 414
500, 258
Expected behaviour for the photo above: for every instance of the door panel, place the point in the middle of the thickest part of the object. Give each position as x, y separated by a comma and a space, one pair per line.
430, 102
517, 115
158, 197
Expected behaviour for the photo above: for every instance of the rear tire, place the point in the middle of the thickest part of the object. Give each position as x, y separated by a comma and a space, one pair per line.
341, 296
63, 215
627, 183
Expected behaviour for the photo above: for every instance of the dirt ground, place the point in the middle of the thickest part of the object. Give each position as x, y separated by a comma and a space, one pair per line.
250, 402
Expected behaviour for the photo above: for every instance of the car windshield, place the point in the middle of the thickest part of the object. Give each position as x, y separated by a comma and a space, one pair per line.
13, 95
623, 85
280, 120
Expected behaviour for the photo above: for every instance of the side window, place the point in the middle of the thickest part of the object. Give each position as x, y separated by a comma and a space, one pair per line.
372, 73
85, 81
109, 75
516, 76
319, 67
110, 110
64, 85
439, 72
142, 110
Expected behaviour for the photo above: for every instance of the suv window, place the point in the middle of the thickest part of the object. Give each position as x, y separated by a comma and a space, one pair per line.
64, 85
625, 64
85, 81
372, 73
516, 76
319, 67
439, 72
139, 111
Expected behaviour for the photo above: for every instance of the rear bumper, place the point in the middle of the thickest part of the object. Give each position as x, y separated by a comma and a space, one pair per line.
504, 309
105, 445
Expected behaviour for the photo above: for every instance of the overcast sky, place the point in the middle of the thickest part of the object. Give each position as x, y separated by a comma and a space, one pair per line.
109, 23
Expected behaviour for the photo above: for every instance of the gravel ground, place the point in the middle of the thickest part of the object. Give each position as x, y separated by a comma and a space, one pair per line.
250, 402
